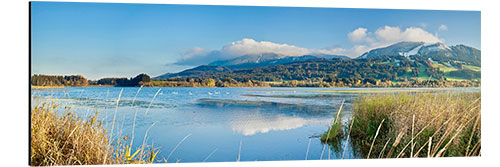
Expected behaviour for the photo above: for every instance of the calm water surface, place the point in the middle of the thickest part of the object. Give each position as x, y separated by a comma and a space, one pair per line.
268, 124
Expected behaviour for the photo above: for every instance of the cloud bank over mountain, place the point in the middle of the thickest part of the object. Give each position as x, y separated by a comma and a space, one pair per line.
250, 46
246, 46
362, 40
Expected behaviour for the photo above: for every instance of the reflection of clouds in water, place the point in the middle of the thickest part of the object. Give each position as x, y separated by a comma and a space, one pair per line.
259, 123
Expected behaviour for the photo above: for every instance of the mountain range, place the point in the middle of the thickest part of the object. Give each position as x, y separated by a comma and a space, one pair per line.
262, 60
449, 58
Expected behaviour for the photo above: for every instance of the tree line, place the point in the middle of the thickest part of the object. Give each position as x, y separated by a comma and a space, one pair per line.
79, 80
139, 80
207, 82
52, 80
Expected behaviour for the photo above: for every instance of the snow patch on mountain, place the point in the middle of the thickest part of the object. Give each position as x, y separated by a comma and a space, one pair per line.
432, 61
258, 59
414, 51
436, 47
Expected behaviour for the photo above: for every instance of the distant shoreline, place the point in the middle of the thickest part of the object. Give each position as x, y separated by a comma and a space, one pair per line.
47, 81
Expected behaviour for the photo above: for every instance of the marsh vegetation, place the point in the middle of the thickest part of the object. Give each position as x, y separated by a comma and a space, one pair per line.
359, 123
59, 137
413, 125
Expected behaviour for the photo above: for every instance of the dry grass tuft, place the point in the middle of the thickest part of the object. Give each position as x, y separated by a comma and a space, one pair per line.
61, 138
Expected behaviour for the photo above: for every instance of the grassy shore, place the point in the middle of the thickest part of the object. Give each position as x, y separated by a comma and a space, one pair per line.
58, 137
415, 125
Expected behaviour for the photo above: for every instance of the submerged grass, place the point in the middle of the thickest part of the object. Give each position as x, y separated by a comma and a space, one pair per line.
334, 132
333, 137
62, 138
417, 125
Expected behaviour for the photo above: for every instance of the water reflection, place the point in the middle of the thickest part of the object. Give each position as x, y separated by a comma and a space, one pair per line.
259, 123
273, 126
275, 107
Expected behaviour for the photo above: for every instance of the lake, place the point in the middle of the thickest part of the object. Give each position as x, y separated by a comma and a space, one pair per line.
218, 124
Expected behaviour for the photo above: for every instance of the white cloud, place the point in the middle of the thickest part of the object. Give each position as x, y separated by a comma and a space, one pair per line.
359, 49
362, 39
197, 56
443, 27
331, 51
246, 46
249, 46
358, 35
390, 34
193, 52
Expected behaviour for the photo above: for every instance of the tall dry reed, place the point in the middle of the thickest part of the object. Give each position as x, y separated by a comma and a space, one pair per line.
417, 125
59, 137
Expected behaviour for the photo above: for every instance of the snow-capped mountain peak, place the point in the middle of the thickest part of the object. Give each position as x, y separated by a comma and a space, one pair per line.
435, 51
400, 48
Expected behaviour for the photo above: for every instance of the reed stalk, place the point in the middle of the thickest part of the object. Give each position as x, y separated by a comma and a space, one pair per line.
447, 124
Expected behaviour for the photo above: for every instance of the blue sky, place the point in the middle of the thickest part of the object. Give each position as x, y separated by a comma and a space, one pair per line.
122, 40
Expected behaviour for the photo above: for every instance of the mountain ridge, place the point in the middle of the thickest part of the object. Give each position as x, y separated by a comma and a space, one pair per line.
454, 57
434, 51
266, 59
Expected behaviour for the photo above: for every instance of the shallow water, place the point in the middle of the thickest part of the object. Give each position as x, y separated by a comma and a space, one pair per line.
268, 124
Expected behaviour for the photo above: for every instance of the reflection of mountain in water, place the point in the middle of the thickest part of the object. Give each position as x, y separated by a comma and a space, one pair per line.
286, 108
